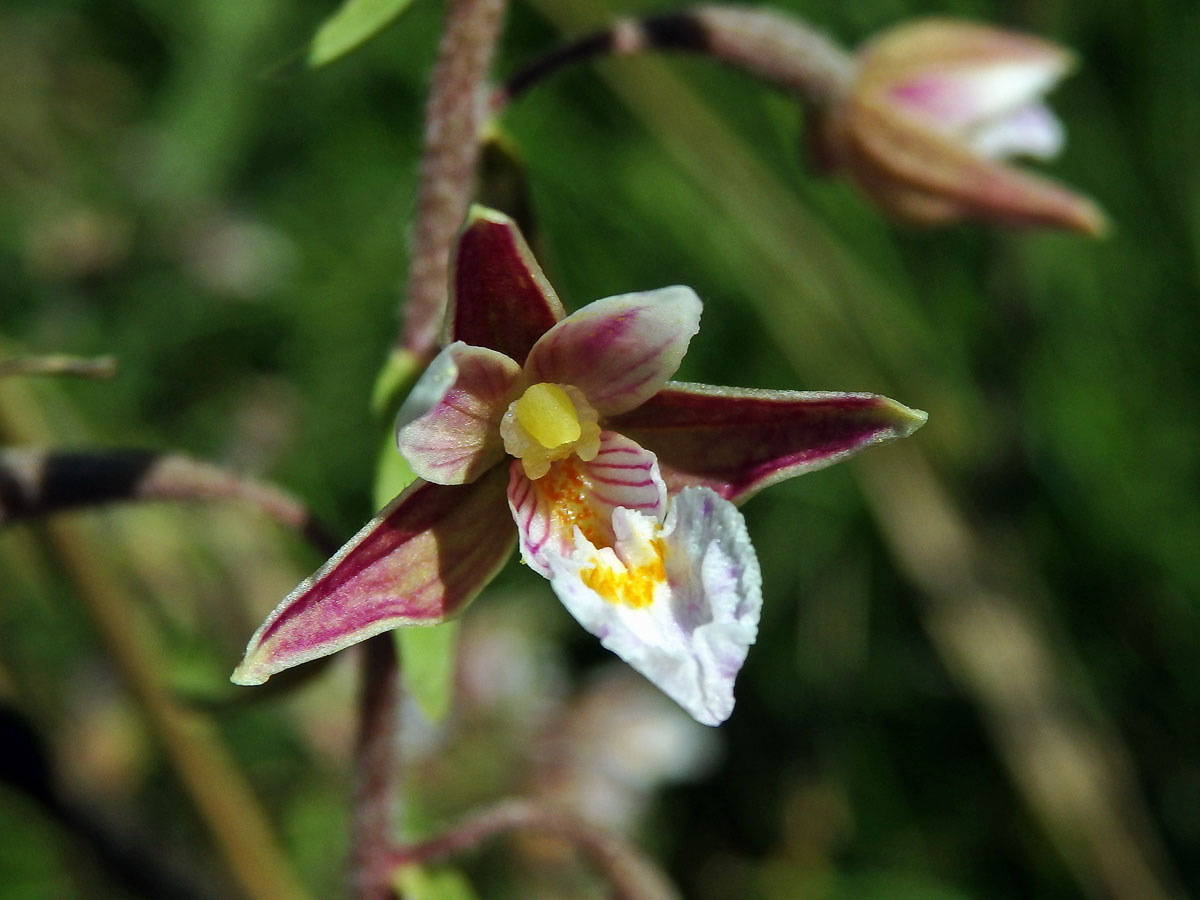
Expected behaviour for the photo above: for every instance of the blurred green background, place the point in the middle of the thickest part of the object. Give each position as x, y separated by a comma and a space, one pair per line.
977, 674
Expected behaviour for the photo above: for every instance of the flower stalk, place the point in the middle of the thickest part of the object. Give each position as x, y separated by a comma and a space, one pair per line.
449, 163
781, 50
629, 874
375, 771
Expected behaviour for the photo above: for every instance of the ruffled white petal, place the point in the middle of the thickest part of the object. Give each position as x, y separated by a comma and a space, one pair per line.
679, 602
574, 494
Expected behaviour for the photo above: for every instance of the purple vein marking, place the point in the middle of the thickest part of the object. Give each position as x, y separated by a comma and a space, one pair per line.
619, 483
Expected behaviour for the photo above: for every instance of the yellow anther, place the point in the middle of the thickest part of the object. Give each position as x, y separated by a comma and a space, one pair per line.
548, 416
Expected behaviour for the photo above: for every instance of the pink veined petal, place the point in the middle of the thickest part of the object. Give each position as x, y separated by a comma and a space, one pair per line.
621, 350
427, 555
449, 429
692, 639
737, 441
577, 494
500, 298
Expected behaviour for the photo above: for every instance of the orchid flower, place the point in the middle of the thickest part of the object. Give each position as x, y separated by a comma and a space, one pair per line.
622, 484
935, 109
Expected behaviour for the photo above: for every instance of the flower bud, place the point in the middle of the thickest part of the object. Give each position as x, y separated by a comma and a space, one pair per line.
935, 109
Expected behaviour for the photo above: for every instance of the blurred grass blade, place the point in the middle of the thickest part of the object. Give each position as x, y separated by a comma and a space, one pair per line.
354, 23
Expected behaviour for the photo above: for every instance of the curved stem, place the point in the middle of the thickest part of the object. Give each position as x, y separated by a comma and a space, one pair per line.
630, 874
779, 49
37, 481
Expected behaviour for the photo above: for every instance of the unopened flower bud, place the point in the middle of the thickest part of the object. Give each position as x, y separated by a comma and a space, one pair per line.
933, 113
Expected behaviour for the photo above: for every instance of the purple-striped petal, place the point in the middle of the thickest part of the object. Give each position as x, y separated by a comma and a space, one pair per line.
680, 603
419, 563
739, 440
500, 299
449, 428
619, 351
577, 494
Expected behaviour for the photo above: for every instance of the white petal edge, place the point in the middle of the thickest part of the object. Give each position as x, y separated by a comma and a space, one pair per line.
1032, 131
692, 640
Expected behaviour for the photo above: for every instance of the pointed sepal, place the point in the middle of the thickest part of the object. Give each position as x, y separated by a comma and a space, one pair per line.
420, 562
737, 441
501, 299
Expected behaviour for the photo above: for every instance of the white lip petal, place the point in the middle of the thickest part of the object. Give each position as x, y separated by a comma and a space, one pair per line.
1032, 131
687, 622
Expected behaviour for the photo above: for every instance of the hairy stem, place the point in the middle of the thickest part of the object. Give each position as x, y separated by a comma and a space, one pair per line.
375, 771
449, 162
630, 874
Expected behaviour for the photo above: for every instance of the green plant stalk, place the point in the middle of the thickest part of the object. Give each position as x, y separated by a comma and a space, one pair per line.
208, 773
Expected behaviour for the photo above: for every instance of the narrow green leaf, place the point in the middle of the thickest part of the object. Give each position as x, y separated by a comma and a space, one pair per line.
427, 656
416, 883
354, 23
396, 377
392, 472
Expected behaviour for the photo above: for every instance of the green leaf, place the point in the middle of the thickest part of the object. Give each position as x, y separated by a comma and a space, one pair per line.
392, 472
427, 656
396, 377
354, 23
415, 883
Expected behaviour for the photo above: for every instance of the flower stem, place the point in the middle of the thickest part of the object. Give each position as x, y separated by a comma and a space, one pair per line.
449, 163
779, 49
630, 874
375, 771
36, 482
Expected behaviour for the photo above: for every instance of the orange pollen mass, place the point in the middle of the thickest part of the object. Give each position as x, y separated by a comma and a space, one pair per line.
633, 587
570, 488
